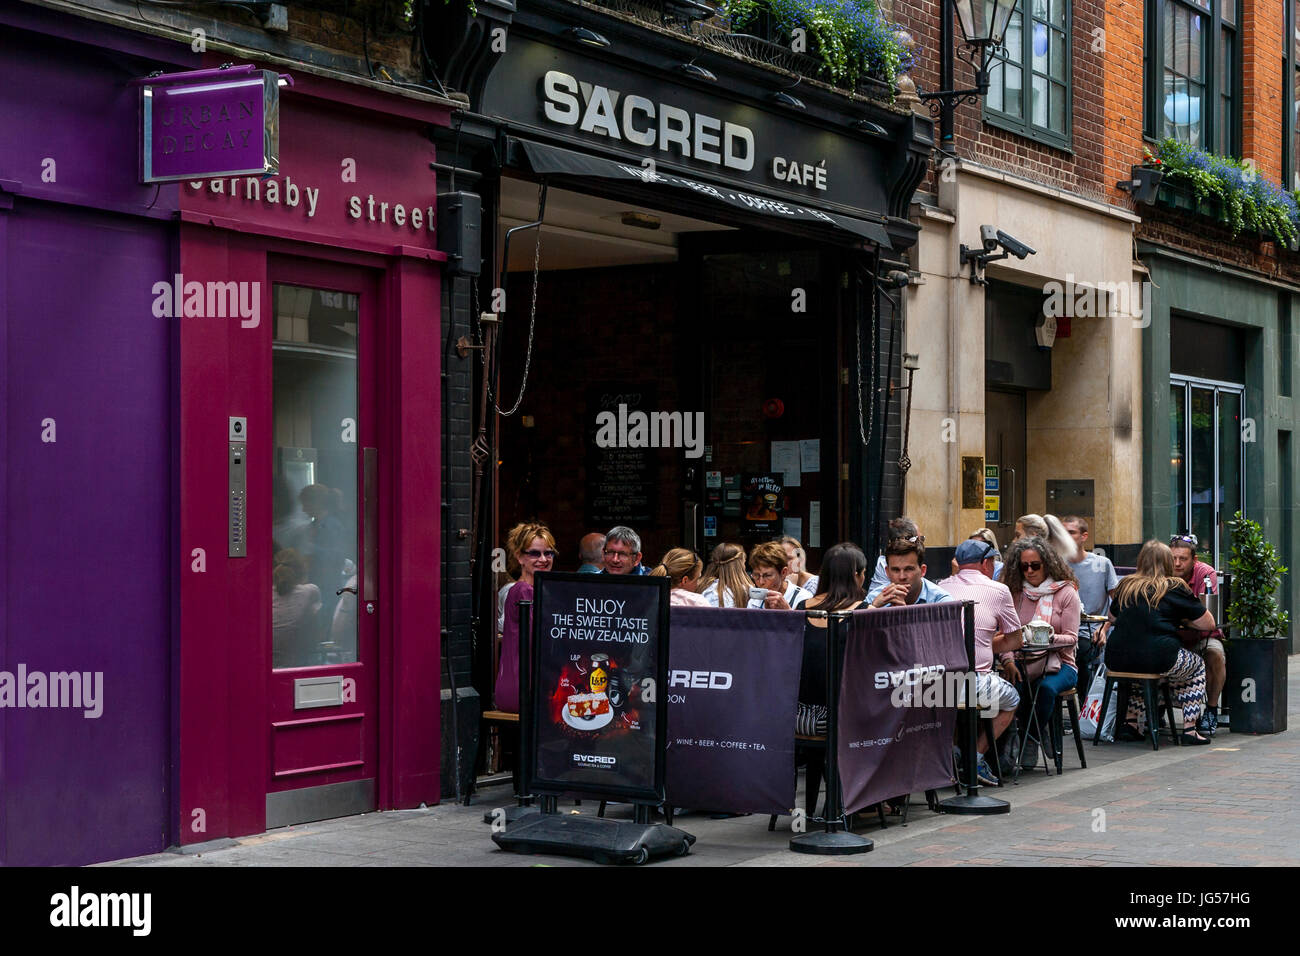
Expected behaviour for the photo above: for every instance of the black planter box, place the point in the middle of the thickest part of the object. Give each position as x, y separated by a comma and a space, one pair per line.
1265, 663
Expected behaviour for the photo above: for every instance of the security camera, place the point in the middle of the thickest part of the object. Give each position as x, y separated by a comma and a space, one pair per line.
1011, 244
989, 236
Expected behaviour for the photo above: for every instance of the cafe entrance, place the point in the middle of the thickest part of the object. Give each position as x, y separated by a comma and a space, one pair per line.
641, 311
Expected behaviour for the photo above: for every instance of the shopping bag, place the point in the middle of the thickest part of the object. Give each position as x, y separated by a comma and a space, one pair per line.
1091, 712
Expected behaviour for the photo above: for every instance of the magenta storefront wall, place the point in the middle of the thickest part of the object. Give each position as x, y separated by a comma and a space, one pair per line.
355, 188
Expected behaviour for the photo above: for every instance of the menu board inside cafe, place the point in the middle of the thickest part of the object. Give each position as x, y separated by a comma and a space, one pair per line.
621, 486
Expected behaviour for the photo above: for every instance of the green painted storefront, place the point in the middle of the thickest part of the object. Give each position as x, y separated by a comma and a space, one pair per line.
1220, 342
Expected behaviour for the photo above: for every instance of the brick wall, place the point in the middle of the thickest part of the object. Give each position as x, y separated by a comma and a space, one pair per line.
1262, 28
1080, 170
1122, 95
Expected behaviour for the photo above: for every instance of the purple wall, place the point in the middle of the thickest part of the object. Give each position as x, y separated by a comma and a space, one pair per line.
87, 519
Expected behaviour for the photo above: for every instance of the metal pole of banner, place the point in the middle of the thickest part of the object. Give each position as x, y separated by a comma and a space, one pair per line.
834, 840
972, 801
524, 757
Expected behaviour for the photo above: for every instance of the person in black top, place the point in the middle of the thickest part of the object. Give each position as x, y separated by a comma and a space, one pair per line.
1149, 608
839, 588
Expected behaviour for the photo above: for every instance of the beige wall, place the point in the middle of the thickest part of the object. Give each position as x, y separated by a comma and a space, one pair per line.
1089, 424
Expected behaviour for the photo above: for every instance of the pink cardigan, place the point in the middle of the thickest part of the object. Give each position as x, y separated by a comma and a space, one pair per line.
1065, 621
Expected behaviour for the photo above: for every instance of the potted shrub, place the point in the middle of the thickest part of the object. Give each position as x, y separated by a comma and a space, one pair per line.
1257, 660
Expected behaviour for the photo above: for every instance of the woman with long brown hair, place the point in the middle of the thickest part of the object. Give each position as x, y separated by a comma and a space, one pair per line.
844, 572
725, 583
1150, 606
682, 567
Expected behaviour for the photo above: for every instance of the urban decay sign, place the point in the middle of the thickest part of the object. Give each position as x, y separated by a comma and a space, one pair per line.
210, 123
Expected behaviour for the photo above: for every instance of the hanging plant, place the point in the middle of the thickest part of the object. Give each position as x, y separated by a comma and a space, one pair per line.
851, 38
1250, 201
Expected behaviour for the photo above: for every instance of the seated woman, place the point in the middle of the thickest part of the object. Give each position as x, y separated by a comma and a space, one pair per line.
844, 572
769, 569
1150, 606
1044, 589
533, 546
724, 583
683, 568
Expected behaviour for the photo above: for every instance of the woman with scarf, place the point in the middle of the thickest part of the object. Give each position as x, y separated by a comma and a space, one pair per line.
1044, 589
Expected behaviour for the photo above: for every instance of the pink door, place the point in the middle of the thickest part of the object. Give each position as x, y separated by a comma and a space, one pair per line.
324, 539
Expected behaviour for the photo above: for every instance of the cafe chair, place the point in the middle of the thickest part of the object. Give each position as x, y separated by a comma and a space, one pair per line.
1066, 700
1152, 685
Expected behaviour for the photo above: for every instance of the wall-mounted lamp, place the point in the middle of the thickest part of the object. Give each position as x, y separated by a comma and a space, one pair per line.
697, 72
983, 27
782, 98
589, 37
866, 126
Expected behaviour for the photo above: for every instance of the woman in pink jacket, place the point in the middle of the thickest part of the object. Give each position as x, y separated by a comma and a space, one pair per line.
1045, 589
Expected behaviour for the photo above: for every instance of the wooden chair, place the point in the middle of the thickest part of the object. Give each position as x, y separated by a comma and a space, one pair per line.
1152, 684
1066, 700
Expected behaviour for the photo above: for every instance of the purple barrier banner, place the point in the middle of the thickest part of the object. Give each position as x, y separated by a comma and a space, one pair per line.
733, 682
890, 742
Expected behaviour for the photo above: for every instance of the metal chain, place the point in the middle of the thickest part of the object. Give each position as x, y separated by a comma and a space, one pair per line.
532, 318
869, 431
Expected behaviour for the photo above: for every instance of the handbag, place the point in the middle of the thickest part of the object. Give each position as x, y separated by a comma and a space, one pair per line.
1091, 712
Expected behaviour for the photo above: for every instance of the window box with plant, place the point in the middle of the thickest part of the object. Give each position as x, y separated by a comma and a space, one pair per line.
852, 42
1227, 190
1255, 691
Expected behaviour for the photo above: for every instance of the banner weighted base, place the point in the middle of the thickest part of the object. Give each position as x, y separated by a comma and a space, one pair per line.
831, 844
597, 838
511, 814
974, 804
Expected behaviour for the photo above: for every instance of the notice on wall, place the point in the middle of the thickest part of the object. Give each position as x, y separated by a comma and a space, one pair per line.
810, 454
600, 657
792, 528
785, 460
814, 524
621, 485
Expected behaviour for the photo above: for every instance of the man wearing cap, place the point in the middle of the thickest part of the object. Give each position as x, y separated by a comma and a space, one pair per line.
997, 629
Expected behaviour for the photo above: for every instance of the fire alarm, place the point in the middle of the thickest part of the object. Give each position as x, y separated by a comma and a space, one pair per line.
773, 408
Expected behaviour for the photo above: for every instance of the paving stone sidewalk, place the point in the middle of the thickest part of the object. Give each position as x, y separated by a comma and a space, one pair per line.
1233, 803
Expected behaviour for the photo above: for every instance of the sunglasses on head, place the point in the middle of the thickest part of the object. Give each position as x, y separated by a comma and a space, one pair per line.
1186, 539
548, 554
1030, 565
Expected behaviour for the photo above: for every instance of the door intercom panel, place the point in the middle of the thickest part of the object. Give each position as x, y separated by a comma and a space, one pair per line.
238, 504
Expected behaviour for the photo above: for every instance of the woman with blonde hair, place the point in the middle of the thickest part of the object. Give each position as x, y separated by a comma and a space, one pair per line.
725, 583
533, 546
988, 537
798, 562
682, 567
1150, 606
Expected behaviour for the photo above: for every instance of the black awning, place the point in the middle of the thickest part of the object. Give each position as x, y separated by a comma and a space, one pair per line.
548, 160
